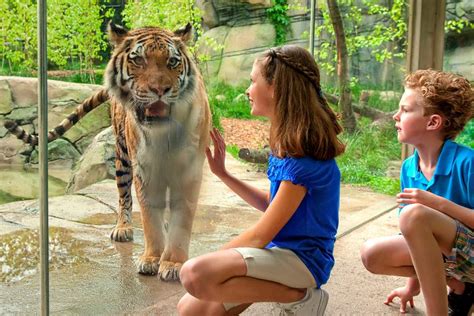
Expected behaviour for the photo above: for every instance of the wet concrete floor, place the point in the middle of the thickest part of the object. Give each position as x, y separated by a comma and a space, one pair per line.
103, 280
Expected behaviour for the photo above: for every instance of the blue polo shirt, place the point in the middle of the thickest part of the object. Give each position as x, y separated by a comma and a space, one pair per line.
311, 232
453, 178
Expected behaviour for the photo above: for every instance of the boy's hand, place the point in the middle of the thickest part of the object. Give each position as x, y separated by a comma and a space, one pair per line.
406, 296
217, 161
410, 196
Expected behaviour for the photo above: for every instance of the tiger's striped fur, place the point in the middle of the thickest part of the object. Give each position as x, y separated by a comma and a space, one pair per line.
161, 121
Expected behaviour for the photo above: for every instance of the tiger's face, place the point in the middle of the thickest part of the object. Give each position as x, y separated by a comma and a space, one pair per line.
149, 71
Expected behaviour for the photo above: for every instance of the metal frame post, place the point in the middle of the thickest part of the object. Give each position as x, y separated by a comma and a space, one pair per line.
425, 40
43, 154
311, 25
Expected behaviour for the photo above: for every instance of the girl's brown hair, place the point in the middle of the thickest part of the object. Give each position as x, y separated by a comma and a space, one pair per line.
445, 94
304, 123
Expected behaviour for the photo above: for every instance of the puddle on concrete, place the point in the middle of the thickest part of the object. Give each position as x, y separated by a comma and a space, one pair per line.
110, 219
17, 183
19, 252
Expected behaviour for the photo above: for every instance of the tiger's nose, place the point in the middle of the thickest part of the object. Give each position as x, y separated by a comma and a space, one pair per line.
160, 90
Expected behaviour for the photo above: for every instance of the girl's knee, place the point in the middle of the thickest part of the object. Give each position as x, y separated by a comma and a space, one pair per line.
191, 306
193, 279
369, 254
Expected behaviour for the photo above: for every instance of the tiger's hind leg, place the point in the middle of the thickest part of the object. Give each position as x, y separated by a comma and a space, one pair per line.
123, 230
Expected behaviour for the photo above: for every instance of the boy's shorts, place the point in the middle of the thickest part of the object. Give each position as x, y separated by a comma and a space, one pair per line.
460, 263
276, 265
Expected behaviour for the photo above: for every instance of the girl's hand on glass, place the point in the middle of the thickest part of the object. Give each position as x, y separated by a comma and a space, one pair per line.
217, 160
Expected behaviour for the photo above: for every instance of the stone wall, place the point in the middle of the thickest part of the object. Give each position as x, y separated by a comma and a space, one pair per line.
244, 32
19, 102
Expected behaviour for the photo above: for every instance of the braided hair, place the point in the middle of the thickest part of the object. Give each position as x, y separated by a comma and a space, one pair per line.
305, 124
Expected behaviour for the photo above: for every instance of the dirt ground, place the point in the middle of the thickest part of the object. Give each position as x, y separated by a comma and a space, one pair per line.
251, 134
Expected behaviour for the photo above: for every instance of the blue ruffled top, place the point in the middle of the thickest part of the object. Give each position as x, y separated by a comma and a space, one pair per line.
311, 231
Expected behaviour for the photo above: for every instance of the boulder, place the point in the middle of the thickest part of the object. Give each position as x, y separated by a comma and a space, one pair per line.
213, 53
209, 15
236, 66
5, 97
96, 164
60, 149
23, 115
11, 149
18, 101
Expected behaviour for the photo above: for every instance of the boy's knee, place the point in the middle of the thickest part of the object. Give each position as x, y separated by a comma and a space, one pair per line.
412, 218
369, 254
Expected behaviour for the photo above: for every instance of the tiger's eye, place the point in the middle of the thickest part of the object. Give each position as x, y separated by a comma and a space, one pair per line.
173, 62
138, 60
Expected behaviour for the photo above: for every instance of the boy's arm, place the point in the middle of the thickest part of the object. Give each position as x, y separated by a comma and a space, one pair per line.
453, 210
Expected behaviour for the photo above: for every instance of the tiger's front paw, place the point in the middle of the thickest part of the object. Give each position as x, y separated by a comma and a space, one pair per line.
169, 271
148, 265
122, 233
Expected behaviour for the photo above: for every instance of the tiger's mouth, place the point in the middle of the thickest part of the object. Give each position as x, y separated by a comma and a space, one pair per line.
157, 109
155, 112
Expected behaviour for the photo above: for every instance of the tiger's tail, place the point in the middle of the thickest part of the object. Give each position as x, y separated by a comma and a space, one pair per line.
85, 107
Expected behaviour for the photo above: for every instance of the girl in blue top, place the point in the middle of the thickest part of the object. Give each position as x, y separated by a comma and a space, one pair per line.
288, 254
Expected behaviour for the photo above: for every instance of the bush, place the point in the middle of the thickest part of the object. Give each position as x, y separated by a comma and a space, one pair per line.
367, 155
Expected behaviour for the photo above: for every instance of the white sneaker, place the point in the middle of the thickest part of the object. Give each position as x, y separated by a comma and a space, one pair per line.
313, 304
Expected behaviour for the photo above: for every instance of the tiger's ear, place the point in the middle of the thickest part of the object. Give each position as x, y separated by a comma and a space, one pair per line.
185, 33
116, 33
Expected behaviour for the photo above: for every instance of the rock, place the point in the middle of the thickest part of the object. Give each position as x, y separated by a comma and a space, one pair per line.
209, 15
3, 130
18, 98
393, 169
255, 156
59, 149
220, 97
240, 98
23, 115
213, 52
10, 151
5, 97
96, 164
234, 69
89, 126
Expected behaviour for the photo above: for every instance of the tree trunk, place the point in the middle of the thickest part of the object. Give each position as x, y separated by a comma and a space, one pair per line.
348, 118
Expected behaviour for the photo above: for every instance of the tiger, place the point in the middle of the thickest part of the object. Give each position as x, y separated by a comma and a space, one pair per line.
161, 121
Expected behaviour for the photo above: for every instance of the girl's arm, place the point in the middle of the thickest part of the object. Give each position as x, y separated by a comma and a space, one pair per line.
453, 210
282, 207
253, 196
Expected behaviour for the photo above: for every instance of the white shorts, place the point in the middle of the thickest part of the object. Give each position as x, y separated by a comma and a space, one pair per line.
277, 265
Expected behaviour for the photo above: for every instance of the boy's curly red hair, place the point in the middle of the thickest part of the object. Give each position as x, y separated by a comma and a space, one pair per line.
446, 94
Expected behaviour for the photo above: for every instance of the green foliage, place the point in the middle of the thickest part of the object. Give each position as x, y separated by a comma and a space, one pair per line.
73, 33
457, 25
233, 150
280, 20
467, 135
368, 152
170, 15
19, 39
391, 27
229, 101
